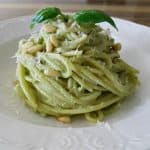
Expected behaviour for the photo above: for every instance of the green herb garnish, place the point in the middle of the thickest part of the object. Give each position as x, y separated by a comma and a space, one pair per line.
44, 14
87, 17
83, 17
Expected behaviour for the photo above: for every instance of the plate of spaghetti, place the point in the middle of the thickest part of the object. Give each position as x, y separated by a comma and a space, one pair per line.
74, 81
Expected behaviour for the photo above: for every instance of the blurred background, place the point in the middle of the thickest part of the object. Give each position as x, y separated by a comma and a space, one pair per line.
134, 10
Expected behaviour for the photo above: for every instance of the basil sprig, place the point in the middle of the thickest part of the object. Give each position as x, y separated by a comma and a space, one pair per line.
87, 17
44, 14
83, 17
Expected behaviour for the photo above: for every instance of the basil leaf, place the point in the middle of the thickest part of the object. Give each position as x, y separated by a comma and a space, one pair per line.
93, 16
44, 14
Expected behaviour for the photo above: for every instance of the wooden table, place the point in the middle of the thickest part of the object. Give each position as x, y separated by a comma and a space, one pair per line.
137, 12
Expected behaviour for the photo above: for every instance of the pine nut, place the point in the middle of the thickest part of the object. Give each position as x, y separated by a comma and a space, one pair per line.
35, 49
49, 46
64, 119
54, 40
49, 28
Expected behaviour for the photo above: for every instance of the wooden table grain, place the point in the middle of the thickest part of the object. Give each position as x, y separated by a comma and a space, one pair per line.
137, 12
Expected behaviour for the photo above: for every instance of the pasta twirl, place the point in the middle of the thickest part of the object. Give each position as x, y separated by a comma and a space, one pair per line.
72, 70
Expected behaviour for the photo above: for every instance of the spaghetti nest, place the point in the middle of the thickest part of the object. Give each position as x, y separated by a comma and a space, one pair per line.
67, 69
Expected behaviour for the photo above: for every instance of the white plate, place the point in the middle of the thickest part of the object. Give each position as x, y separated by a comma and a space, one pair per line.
126, 129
